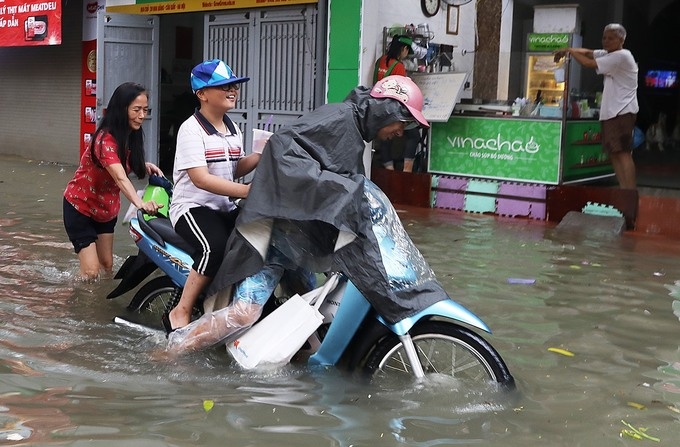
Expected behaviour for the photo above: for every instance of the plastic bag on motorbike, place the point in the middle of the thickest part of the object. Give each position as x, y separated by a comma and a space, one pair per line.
275, 340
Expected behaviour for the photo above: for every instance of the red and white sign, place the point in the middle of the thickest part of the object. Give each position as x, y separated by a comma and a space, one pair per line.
88, 96
29, 23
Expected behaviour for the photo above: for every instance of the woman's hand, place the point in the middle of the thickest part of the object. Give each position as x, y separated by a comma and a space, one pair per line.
152, 169
151, 207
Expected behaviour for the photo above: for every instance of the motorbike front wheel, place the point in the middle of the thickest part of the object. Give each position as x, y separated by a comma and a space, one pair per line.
443, 348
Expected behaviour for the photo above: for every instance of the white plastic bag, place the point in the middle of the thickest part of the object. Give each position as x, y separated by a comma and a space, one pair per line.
275, 340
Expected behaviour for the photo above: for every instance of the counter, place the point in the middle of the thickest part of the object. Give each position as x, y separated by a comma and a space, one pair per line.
524, 149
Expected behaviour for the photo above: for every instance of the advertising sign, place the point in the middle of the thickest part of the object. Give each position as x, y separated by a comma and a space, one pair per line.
88, 91
175, 6
441, 92
30, 23
499, 148
548, 41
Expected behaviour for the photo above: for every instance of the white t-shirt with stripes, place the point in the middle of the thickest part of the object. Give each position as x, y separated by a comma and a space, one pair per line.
200, 144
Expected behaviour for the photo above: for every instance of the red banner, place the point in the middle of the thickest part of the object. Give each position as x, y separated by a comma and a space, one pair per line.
29, 23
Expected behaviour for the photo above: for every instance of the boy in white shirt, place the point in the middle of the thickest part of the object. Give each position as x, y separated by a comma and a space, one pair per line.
209, 157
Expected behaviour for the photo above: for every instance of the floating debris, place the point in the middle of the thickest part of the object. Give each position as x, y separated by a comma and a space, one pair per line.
636, 405
521, 281
637, 433
561, 351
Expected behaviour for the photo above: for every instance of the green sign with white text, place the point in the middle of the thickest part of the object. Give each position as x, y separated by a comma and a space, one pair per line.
500, 148
548, 41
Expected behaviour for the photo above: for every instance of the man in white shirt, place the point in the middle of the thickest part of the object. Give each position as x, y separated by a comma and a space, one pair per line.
619, 106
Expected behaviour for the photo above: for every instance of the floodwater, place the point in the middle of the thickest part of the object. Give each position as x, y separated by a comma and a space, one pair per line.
70, 376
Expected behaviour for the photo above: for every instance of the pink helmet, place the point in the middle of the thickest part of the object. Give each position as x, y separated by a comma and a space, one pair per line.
404, 90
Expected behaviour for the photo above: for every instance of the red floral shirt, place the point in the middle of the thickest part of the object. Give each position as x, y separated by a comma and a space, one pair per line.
92, 191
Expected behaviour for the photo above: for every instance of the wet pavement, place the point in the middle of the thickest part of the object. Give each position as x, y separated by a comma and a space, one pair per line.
588, 324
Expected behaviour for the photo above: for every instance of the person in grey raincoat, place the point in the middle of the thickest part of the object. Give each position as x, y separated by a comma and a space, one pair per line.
308, 207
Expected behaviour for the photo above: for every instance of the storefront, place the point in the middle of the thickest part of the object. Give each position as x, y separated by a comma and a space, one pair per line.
549, 136
485, 39
502, 156
286, 47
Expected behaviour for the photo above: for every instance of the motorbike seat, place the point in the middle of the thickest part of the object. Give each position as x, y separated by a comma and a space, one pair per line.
163, 228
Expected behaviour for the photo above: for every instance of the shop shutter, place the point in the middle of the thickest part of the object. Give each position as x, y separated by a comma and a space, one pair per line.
276, 48
40, 90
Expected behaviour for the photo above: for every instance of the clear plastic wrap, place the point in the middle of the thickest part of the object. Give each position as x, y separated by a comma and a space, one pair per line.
250, 296
403, 262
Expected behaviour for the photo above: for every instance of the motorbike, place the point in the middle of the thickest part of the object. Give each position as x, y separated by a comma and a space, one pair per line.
440, 339
160, 248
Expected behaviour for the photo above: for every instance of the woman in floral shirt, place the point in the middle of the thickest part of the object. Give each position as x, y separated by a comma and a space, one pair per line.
92, 197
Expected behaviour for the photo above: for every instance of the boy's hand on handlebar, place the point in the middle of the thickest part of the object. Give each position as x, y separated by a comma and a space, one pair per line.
151, 207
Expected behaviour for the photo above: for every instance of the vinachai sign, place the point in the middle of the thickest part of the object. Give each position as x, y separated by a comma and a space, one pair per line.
548, 41
507, 149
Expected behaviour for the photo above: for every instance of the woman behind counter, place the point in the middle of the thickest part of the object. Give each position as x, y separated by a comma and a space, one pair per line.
391, 64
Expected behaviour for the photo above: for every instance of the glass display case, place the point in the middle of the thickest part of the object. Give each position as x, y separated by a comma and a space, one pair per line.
547, 82
541, 83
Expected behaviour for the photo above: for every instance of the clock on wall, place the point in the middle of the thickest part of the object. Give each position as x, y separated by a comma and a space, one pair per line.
456, 2
429, 7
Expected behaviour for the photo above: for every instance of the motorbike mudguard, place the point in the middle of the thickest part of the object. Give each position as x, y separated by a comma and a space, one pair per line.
444, 308
134, 270
345, 324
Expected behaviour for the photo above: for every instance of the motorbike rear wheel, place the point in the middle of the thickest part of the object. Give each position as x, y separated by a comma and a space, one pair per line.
154, 297
443, 348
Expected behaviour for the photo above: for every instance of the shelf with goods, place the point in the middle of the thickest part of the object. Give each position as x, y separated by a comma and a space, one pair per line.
540, 77
583, 150
439, 57
551, 91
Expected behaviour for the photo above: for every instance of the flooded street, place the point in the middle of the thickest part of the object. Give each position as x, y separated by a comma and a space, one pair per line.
588, 325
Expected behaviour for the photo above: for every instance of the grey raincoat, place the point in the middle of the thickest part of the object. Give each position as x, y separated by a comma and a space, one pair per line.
310, 185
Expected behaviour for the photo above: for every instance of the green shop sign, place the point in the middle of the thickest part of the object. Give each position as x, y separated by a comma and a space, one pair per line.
500, 148
548, 41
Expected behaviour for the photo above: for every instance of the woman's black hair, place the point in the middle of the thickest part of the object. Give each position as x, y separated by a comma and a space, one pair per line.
394, 50
116, 122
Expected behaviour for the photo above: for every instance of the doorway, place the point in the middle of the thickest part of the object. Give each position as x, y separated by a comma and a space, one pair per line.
276, 48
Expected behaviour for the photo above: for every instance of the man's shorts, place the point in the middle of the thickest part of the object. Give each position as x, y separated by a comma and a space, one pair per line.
83, 230
617, 133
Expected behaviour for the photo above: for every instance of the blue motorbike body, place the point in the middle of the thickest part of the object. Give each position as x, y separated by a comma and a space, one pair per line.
164, 251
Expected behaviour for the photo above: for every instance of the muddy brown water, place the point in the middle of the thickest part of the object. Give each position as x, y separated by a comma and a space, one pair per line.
70, 376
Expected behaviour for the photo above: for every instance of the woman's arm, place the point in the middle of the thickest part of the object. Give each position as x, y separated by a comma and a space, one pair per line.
119, 175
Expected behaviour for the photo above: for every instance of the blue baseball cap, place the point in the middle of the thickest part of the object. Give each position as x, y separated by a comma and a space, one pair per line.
213, 73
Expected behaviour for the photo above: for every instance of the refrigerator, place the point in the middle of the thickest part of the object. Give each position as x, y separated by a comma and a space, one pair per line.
546, 81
